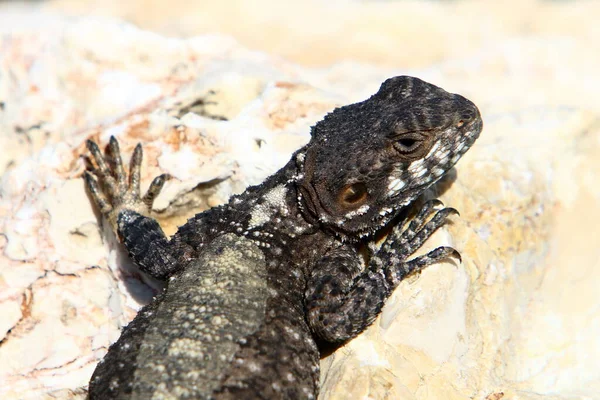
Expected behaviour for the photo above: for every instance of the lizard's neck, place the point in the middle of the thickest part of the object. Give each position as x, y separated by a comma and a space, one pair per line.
269, 214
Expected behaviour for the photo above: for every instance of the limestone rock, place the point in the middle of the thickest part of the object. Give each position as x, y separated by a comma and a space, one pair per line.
518, 318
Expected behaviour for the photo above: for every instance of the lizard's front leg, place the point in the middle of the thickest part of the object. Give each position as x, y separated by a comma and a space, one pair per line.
117, 196
342, 300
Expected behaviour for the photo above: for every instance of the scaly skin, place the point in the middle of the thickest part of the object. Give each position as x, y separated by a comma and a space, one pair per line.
253, 283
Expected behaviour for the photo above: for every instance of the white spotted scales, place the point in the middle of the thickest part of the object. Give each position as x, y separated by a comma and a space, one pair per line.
255, 286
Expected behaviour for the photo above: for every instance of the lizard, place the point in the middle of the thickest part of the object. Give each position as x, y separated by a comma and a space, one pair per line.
254, 284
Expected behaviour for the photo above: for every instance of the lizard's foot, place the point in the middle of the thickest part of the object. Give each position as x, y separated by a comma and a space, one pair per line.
112, 190
401, 244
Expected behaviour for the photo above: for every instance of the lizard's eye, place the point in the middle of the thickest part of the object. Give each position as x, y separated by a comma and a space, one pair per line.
407, 144
354, 195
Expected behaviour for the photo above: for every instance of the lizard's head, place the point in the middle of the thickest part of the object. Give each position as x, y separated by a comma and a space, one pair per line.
366, 161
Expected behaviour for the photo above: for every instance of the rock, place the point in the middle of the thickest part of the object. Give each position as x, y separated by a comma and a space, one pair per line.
518, 318
407, 33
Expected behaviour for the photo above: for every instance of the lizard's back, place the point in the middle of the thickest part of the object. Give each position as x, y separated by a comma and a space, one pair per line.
255, 282
184, 343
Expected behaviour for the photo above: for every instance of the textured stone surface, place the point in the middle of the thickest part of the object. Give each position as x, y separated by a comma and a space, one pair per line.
410, 33
518, 316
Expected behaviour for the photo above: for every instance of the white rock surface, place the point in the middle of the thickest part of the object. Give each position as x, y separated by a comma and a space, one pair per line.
519, 316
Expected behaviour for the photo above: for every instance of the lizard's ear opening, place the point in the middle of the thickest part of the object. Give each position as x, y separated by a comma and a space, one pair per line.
352, 196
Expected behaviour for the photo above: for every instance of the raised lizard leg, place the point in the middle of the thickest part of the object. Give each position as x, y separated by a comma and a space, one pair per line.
118, 199
416, 224
342, 300
400, 243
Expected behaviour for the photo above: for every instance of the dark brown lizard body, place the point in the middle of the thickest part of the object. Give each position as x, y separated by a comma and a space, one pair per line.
255, 282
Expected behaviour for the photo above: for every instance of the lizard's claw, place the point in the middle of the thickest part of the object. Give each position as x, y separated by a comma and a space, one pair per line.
402, 243
111, 189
